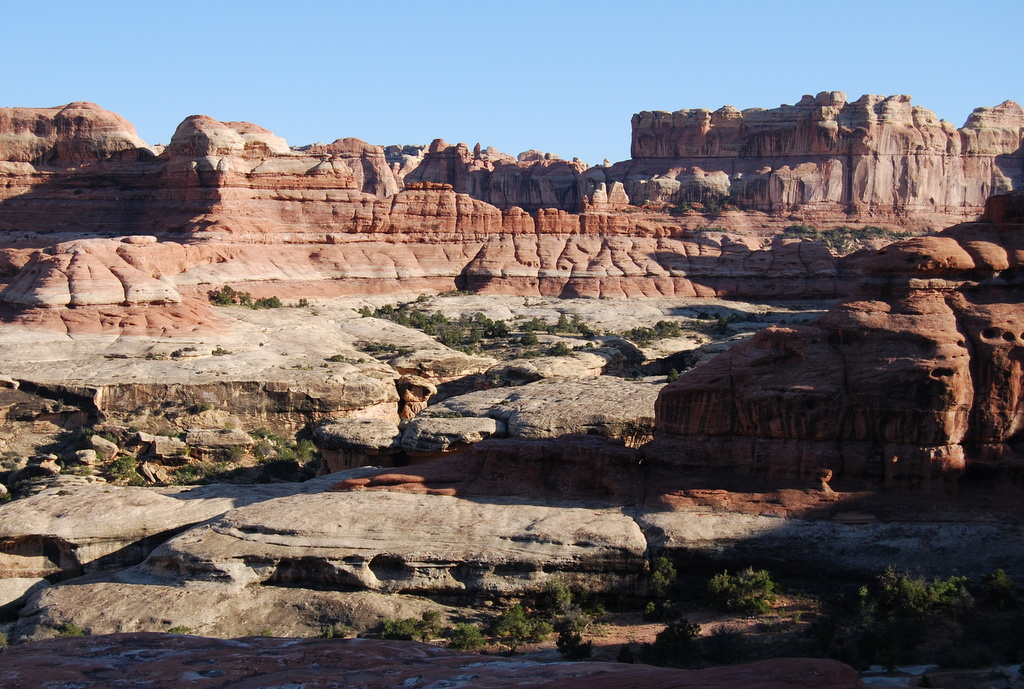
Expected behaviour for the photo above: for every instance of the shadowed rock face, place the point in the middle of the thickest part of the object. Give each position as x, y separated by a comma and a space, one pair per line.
160, 660
912, 380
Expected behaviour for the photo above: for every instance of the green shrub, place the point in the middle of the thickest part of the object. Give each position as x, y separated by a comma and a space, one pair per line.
180, 629
71, 629
572, 647
123, 469
561, 349
514, 628
557, 598
674, 646
663, 577
752, 592
404, 630
529, 339
673, 376
466, 637
998, 591
335, 631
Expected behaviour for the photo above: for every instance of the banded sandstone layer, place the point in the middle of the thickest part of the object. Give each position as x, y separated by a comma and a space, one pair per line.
909, 382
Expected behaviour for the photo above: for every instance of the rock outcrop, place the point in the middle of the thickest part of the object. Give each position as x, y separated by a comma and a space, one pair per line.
72, 134
876, 159
909, 382
532, 181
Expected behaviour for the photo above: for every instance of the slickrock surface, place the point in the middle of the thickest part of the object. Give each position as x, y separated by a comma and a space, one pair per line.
129, 602
64, 532
402, 542
581, 468
905, 384
130, 660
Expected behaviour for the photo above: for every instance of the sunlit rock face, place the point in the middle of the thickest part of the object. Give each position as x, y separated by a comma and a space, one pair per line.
916, 377
876, 159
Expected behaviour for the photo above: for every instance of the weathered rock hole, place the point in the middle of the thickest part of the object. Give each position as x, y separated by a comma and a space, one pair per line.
942, 372
389, 568
988, 333
961, 343
1009, 337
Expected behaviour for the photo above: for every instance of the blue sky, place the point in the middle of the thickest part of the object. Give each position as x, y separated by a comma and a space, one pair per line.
558, 76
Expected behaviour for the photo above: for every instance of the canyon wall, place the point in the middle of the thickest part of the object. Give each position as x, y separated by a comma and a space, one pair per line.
914, 379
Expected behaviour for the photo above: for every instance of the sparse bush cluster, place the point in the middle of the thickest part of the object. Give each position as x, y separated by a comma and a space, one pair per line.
903, 618
467, 333
645, 336
557, 609
228, 296
843, 240
750, 591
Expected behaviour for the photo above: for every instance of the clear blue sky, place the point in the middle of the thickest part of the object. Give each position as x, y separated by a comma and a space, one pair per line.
556, 75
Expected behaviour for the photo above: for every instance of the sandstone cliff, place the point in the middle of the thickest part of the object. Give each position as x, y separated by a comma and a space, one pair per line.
876, 159
532, 181
909, 382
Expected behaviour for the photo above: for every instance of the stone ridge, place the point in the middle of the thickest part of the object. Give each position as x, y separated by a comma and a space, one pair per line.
910, 382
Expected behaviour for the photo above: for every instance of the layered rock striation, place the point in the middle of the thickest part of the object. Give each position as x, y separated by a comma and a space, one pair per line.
910, 382
352, 218
876, 159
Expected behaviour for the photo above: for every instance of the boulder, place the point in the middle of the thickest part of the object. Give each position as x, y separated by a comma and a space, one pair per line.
215, 440
414, 393
87, 457
349, 443
441, 366
104, 449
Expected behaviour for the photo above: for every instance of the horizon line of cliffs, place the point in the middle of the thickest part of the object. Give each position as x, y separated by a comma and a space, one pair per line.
876, 160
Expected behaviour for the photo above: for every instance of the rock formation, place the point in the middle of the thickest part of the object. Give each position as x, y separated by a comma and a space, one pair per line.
342, 221
877, 159
909, 382
532, 181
